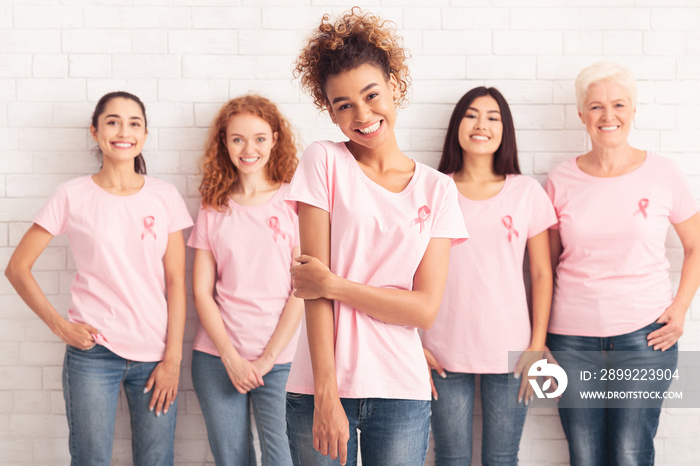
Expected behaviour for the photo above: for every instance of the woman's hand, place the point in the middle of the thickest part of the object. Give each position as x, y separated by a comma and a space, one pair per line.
164, 381
310, 277
244, 375
522, 368
263, 364
433, 364
665, 337
80, 336
331, 430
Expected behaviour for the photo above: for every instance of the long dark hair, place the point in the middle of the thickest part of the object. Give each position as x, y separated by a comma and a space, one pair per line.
139, 162
505, 160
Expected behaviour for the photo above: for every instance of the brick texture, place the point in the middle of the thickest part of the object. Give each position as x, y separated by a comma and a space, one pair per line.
186, 57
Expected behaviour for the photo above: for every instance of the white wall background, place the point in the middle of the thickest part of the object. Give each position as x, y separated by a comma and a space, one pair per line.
185, 57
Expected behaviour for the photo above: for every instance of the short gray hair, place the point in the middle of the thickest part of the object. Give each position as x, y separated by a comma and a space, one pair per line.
602, 71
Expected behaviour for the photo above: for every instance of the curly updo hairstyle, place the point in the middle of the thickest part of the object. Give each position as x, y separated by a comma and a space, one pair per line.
355, 38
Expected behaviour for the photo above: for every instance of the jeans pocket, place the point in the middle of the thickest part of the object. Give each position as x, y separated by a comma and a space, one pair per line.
80, 350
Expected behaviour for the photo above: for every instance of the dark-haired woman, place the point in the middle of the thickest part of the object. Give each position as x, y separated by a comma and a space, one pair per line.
484, 311
376, 229
127, 312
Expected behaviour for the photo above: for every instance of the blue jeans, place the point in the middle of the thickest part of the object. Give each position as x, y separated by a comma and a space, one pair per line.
393, 432
91, 380
452, 416
597, 433
227, 413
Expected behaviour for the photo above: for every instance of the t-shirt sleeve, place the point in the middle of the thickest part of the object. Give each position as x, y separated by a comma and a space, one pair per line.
311, 182
684, 204
550, 191
199, 238
180, 217
542, 215
54, 215
449, 223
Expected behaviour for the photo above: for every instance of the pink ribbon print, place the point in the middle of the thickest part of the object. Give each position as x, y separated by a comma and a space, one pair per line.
643, 204
274, 223
423, 214
508, 223
148, 223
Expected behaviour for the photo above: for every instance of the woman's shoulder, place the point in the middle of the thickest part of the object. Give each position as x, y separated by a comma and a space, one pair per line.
162, 187
324, 153
568, 165
662, 167
433, 177
78, 184
327, 147
521, 183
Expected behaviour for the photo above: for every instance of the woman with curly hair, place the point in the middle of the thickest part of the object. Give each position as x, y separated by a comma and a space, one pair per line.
375, 229
245, 238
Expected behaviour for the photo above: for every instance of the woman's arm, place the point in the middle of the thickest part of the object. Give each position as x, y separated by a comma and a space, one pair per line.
243, 374
165, 377
674, 315
417, 308
541, 281
19, 273
286, 328
331, 430
555, 248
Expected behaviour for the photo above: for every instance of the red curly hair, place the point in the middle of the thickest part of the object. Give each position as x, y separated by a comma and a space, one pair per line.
352, 40
220, 175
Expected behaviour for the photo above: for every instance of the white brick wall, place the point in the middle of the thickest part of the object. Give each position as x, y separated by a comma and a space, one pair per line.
185, 57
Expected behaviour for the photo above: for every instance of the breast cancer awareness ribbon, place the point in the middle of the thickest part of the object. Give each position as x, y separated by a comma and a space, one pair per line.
274, 223
148, 223
643, 204
508, 223
423, 214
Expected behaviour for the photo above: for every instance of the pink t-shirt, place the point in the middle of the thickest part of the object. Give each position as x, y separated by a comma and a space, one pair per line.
252, 246
612, 276
484, 312
118, 243
378, 238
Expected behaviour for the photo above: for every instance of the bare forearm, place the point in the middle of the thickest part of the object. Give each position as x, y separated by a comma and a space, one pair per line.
690, 280
210, 318
320, 331
689, 234
541, 303
399, 307
286, 328
177, 313
539, 252
29, 290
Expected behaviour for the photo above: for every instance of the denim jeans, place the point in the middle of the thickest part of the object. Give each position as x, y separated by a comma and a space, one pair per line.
392, 432
602, 435
91, 380
452, 416
227, 413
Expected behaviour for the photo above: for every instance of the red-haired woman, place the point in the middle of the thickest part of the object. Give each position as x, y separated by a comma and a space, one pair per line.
245, 238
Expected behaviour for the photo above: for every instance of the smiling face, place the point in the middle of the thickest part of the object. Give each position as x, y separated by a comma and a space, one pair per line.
121, 131
361, 103
481, 129
608, 114
249, 140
